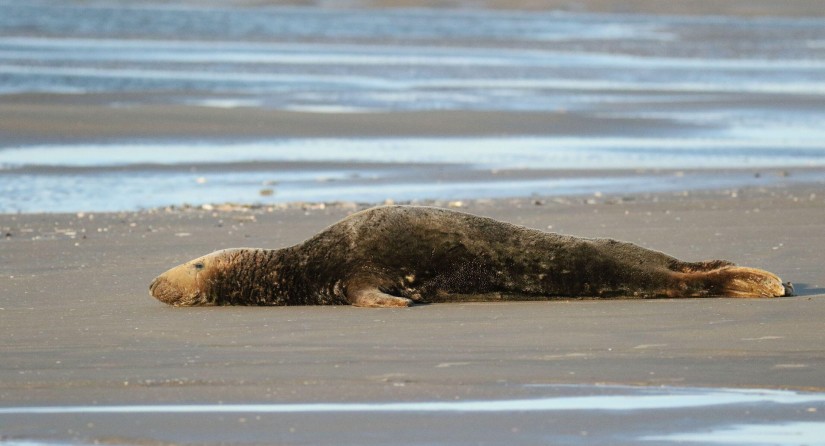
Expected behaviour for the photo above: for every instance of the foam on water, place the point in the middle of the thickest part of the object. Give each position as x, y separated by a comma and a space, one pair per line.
227, 103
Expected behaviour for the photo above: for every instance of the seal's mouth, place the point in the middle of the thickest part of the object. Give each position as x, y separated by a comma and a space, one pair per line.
163, 290
159, 289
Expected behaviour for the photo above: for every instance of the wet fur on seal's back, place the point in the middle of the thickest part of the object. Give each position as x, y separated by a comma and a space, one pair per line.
453, 253
429, 253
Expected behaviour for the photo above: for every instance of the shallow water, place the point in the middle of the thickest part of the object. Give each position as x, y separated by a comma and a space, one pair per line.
623, 414
629, 399
735, 93
293, 58
752, 434
481, 153
106, 177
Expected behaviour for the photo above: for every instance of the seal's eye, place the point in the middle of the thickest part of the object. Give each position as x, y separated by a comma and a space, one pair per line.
199, 265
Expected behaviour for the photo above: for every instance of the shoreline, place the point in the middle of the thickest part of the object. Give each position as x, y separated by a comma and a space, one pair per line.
457, 186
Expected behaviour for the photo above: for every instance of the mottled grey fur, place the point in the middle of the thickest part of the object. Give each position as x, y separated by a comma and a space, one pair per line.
396, 255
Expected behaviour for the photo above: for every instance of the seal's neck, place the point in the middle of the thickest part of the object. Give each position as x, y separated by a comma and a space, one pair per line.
254, 277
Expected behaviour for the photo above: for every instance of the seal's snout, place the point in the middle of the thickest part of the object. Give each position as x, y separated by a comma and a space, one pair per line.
161, 289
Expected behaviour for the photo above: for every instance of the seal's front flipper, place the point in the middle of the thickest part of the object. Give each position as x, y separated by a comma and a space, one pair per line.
373, 297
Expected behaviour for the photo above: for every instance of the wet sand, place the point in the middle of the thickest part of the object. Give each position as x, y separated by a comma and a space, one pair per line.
34, 119
79, 328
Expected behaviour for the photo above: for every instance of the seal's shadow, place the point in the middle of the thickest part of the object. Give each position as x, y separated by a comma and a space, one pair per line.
805, 289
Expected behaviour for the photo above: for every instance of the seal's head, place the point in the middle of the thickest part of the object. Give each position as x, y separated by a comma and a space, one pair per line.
196, 282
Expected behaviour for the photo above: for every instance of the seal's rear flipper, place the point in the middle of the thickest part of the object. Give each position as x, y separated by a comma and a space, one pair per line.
373, 297
751, 282
730, 281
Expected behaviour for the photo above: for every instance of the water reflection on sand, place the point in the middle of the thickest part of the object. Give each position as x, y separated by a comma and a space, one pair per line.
712, 415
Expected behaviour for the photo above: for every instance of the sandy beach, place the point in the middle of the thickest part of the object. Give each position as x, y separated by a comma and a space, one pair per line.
80, 328
88, 357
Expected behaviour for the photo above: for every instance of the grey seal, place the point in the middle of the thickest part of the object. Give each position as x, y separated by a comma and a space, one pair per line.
394, 256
